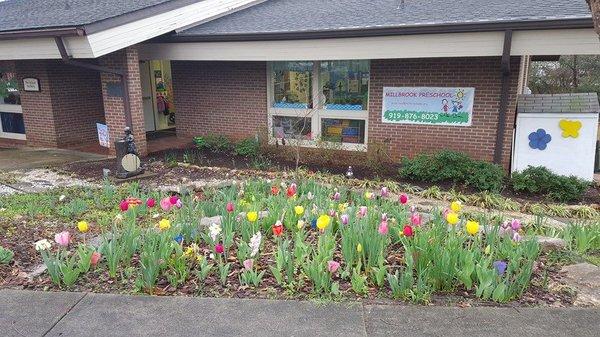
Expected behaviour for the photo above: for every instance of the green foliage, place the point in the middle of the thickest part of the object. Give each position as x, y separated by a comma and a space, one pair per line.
582, 238
6, 255
213, 143
248, 147
454, 167
539, 180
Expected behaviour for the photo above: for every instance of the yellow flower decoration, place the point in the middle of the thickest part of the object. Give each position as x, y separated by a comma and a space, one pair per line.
299, 210
164, 224
252, 216
472, 227
323, 221
359, 248
570, 128
452, 218
456, 206
83, 226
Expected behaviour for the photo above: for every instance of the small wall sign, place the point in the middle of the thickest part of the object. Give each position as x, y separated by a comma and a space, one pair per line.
31, 84
103, 135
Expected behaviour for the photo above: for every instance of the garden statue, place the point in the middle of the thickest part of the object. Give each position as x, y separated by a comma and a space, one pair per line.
128, 160
349, 173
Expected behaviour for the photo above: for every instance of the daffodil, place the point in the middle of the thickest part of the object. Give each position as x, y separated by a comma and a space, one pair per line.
323, 221
164, 224
472, 227
456, 206
252, 216
299, 210
452, 218
83, 226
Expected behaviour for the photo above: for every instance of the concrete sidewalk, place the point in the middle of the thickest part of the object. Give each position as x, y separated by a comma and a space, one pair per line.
27, 313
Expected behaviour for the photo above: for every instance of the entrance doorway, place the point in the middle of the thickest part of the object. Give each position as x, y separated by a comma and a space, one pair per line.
157, 95
11, 114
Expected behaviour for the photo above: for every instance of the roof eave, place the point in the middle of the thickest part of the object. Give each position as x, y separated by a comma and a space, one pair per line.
387, 31
42, 32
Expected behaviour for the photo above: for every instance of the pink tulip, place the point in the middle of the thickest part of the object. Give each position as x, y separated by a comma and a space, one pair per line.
403, 199
345, 219
248, 264
384, 192
383, 228
515, 224
219, 248
230, 208
331, 212
336, 196
178, 203
362, 211
333, 266
63, 238
150, 202
173, 199
165, 204
95, 258
415, 219
124, 205
384, 217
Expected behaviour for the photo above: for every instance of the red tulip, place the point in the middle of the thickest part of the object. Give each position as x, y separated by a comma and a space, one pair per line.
408, 231
277, 229
291, 191
230, 207
173, 199
150, 202
274, 190
403, 199
95, 258
124, 205
219, 248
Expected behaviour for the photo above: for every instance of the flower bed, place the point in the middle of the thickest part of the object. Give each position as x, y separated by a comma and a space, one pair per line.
276, 239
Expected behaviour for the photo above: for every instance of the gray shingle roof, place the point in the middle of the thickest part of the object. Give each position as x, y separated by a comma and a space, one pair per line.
287, 16
579, 102
34, 14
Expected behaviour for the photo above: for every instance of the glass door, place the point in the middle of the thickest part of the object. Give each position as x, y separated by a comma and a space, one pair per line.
11, 115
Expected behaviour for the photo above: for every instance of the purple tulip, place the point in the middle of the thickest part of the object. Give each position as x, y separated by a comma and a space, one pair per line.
345, 219
500, 267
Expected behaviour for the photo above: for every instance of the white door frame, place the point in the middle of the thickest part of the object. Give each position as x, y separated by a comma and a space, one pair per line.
11, 108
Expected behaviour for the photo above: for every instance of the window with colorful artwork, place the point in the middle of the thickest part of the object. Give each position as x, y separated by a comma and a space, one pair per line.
9, 93
292, 85
320, 100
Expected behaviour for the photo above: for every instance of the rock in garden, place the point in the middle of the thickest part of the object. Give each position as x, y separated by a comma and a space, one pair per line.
549, 244
585, 278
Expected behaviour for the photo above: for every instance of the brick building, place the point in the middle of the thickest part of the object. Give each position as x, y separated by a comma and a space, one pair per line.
413, 76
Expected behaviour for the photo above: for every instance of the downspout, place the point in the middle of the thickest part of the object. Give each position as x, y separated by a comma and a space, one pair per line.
504, 93
122, 75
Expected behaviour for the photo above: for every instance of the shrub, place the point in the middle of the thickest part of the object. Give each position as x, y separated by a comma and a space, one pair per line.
540, 180
248, 147
455, 167
214, 143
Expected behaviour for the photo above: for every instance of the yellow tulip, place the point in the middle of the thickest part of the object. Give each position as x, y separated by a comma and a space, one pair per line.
164, 224
456, 206
368, 195
252, 216
452, 218
472, 227
299, 210
300, 224
359, 248
83, 226
323, 221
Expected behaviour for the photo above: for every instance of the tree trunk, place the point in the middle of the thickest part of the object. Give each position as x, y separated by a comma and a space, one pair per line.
595, 8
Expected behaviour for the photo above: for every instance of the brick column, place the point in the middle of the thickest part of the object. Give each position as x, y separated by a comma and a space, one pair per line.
126, 60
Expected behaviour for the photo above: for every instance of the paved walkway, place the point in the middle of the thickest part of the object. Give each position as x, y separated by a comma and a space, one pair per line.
28, 158
27, 313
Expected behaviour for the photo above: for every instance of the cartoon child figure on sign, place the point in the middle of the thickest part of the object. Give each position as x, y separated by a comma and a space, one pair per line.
445, 106
457, 104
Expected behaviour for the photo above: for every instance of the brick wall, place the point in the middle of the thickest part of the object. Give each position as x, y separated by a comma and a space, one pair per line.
125, 60
67, 108
228, 98
477, 140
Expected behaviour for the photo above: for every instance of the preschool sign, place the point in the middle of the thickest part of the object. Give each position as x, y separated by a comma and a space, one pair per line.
424, 105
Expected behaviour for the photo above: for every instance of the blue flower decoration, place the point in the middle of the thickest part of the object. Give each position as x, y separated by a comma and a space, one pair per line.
178, 239
539, 139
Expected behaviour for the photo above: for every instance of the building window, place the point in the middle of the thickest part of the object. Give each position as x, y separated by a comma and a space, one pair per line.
11, 113
320, 101
9, 93
292, 127
292, 85
345, 84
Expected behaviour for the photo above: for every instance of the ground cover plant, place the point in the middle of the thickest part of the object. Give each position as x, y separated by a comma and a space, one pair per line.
305, 240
